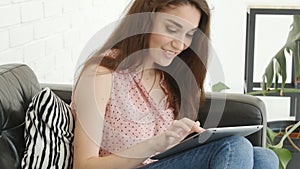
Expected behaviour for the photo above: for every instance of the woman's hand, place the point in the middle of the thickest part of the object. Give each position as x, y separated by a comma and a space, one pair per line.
175, 133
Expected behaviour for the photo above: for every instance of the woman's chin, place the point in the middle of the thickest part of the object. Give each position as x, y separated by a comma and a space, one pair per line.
165, 63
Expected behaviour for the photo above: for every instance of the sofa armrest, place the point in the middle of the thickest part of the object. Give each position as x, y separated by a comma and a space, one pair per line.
63, 91
18, 84
235, 110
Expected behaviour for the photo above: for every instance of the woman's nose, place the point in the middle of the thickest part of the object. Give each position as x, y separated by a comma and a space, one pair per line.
178, 45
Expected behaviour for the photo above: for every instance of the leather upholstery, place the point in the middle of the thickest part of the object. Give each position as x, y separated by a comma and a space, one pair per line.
18, 84
239, 109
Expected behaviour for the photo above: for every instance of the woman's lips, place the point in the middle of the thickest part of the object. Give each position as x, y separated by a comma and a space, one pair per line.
169, 54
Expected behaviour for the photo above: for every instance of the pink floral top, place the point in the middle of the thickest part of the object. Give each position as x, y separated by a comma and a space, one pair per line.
131, 115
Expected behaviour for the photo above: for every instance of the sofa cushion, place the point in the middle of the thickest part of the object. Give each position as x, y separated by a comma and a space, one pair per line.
49, 128
18, 84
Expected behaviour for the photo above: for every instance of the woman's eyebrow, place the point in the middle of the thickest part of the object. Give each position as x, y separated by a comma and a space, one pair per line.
175, 23
195, 29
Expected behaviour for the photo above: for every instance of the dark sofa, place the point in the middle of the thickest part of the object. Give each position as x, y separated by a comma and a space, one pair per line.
18, 84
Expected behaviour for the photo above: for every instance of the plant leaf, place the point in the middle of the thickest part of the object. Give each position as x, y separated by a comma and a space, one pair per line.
294, 35
280, 67
284, 156
268, 76
219, 87
271, 135
297, 63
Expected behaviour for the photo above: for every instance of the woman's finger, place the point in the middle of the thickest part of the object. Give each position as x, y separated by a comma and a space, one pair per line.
196, 127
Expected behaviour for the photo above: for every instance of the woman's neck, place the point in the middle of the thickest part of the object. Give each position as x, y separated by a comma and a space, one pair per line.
148, 73
149, 78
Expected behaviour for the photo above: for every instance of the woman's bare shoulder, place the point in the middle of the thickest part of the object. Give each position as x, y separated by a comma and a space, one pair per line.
101, 70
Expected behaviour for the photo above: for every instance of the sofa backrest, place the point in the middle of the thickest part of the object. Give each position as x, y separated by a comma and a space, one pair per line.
235, 110
18, 84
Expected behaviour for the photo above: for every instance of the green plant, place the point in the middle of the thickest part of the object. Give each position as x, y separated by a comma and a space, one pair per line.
220, 86
277, 69
284, 155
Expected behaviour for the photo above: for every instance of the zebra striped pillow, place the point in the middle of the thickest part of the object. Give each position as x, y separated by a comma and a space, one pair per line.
49, 128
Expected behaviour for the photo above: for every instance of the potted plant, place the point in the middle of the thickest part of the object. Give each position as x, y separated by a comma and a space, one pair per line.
277, 69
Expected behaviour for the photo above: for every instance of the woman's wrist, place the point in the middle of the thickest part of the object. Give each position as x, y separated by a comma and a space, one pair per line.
158, 143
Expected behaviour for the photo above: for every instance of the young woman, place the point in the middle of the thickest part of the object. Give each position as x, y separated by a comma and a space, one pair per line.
138, 95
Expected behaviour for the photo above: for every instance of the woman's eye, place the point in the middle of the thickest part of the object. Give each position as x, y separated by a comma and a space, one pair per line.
171, 29
191, 34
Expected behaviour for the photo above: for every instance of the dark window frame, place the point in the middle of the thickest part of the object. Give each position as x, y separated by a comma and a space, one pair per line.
249, 53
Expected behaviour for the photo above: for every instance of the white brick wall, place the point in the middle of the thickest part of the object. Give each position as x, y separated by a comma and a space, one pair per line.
4, 2
70, 5
9, 15
32, 11
44, 28
13, 55
48, 35
52, 7
4, 40
34, 51
54, 44
21, 35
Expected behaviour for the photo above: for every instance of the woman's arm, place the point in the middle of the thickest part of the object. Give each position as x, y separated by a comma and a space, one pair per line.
86, 150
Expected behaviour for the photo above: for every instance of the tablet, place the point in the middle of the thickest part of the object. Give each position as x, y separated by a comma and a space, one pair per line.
207, 136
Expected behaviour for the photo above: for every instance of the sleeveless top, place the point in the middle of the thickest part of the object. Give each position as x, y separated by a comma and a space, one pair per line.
131, 114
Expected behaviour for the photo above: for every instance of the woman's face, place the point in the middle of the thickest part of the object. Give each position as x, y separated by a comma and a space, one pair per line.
173, 31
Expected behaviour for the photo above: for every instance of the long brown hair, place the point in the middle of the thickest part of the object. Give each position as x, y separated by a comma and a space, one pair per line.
195, 57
